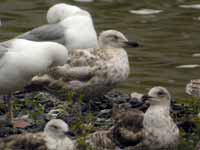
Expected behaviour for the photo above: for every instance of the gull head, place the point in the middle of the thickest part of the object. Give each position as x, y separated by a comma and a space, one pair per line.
60, 12
114, 39
158, 95
58, 129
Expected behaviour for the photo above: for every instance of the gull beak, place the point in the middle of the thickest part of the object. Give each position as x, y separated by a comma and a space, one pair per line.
146, 98
131, 44
70, 134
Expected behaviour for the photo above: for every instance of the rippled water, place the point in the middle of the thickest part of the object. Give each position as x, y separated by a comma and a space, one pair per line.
168, 38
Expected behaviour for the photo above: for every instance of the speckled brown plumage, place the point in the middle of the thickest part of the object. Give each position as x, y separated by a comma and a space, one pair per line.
27, 141
128, 128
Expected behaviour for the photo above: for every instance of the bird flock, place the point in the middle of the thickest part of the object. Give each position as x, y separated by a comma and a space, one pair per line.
67, 52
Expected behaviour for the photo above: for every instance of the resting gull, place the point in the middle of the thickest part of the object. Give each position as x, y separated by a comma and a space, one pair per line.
135, 130
21, 59
68, 25
94, 71
56, 136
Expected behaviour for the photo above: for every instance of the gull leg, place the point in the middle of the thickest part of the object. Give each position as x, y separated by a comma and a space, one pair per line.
8, 100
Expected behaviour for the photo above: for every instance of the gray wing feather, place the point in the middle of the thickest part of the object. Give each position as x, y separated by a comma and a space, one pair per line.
4, 46
52, 32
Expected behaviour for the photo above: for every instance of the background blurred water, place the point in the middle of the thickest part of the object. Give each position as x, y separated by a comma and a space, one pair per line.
168, 38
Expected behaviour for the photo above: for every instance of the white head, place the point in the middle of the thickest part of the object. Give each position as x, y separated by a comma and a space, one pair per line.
114, 39
57, 128
158, 96
61, 11
80, 33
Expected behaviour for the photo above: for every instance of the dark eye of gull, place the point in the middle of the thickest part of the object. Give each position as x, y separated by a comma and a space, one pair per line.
161, 93
54, 126
115, 37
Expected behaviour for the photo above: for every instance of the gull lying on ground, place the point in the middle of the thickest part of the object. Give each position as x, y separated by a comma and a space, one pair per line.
56, 136
134, 130
21, 59
193, 88
94, 71
68, 25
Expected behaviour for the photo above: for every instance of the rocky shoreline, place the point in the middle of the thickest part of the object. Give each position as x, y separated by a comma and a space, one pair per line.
83, 115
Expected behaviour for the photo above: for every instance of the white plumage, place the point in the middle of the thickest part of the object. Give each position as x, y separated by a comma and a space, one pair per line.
21, 59
159, 128
68, 25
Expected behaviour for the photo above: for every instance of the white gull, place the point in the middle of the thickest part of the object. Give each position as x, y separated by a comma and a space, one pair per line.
21, 60
68, 25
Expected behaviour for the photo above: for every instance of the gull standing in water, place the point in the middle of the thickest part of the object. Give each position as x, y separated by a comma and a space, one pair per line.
56, 136
21, 60
134, 130
95, 71
68, 25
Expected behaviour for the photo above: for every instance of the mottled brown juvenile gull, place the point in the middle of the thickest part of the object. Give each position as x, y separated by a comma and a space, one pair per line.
56, 136
95, 71
68, 25
21, 60
135, 130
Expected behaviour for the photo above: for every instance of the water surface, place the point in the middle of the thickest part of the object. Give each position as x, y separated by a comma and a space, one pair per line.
168, 38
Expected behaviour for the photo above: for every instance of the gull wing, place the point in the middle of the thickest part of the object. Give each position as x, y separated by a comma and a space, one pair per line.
128, 129
4, 48
73, 73
81, 65
83, 57
51, 32
24, 141
101, 140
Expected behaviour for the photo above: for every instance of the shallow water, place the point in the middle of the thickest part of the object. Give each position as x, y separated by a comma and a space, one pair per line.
168, 38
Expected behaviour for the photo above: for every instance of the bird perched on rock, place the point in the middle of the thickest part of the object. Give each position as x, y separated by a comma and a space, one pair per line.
56, 136
21, 59
135, 130
95, 71
68, 25
193, 88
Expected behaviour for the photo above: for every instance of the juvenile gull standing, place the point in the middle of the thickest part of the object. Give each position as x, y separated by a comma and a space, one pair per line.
134, 130
56, 136
95, 71
21, 59
68, 25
